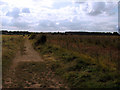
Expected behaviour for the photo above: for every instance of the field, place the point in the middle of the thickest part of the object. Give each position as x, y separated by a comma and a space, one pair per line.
104, 49
60, 61
83, 61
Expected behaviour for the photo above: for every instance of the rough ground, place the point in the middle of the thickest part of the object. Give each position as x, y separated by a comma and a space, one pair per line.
29, 55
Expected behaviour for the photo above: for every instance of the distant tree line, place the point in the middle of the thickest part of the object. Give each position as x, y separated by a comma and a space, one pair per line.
5, 32
92, 33
15, 32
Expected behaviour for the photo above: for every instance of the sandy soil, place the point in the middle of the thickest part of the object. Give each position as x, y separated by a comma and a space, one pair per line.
29, 54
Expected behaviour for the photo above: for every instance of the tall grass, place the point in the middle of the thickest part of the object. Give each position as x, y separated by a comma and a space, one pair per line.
102, 48
83, 61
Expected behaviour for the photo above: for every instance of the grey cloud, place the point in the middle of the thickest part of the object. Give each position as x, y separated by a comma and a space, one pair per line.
63, 25
88, 25
25, 10
97, 8
15, 22
14, 13
102, 27
19, 24
111, 8
76, 24
46, 25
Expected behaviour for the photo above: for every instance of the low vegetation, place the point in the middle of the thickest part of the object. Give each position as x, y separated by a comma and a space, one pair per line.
24, 68
36, 75
75, 61
82, 61
10, 45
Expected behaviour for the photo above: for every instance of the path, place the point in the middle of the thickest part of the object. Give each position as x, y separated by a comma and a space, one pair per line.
30, 55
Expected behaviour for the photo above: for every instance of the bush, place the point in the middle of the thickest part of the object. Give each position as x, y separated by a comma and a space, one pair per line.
41, 40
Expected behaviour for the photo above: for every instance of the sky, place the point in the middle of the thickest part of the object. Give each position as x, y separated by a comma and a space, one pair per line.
55, 15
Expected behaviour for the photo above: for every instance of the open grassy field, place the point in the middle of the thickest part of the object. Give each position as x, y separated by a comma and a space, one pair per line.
82, 61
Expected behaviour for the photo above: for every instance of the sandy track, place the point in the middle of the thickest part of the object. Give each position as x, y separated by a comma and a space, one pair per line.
28, 55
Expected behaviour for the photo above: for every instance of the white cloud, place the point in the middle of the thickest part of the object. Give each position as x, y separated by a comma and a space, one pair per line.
58, 15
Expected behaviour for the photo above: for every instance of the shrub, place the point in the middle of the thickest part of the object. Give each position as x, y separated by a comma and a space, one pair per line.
41, 40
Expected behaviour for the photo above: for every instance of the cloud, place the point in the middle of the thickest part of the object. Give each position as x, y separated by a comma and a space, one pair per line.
46, 25
53, 15
2, 3
97, 8
59, 4
14, 13
20, 25
25, 10
14, 23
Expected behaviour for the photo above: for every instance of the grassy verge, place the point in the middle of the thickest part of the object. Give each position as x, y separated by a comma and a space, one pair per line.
78, 70
10, 46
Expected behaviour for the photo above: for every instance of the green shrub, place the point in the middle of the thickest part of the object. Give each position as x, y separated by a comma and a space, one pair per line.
41, 40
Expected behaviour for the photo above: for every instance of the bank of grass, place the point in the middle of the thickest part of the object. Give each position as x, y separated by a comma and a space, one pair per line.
78, 70
10, 46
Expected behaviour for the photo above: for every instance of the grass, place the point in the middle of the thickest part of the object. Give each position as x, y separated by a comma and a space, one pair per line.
81, 61
30, 74
76, 65
27, 73
105, 49
10, 46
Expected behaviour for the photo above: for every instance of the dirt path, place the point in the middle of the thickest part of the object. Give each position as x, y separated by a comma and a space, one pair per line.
28, 55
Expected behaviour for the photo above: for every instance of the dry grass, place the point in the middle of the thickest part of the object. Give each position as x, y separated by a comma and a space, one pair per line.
104, 49
83, 61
